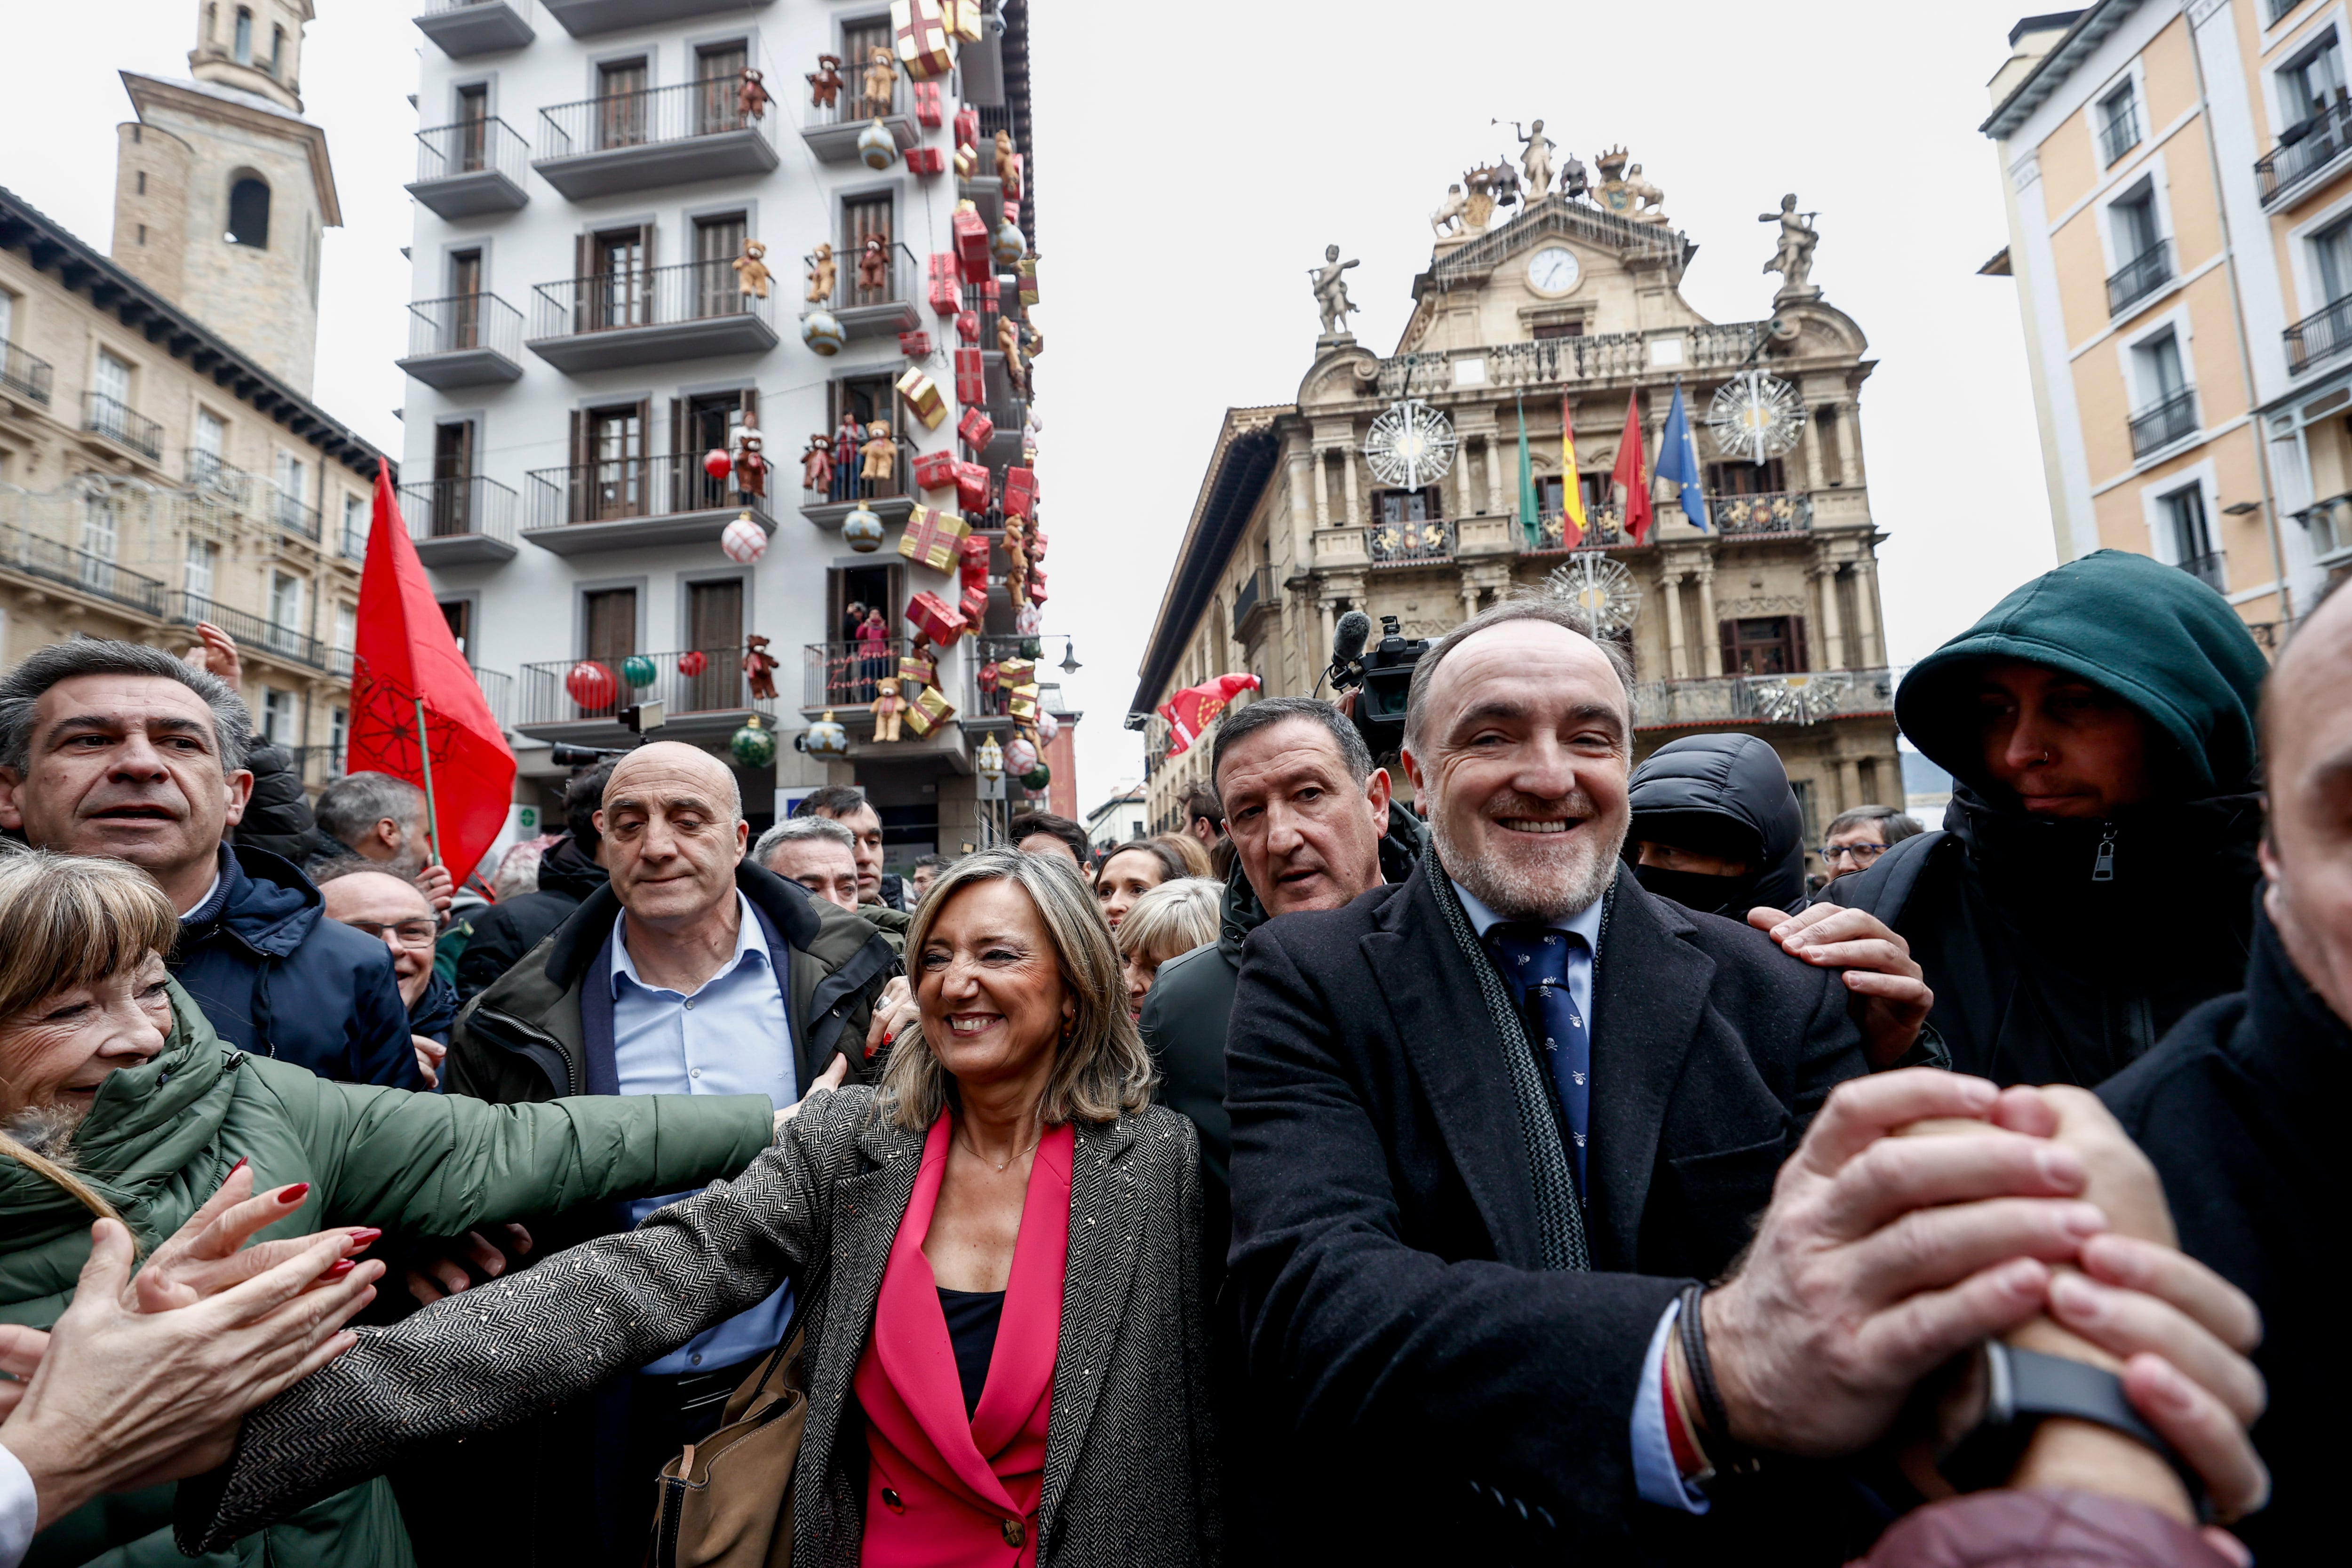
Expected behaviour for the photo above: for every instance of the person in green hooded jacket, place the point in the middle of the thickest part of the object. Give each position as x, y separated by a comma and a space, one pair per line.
115, 1094
2095, 877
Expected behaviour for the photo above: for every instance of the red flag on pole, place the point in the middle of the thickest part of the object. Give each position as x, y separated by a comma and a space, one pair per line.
1196, 708
417, 712
1632, 473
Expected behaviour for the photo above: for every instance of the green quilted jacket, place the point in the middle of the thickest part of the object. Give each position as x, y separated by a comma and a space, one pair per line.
161, 1138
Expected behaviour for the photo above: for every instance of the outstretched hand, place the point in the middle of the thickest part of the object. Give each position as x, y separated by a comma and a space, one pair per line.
1890, 998
208, 1255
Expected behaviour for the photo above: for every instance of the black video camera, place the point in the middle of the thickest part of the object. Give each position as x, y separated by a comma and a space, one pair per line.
1381, 676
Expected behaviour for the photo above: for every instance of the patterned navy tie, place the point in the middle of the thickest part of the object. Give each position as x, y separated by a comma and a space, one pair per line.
1533, 963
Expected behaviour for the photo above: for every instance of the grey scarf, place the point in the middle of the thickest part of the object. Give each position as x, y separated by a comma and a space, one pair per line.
1558, 1212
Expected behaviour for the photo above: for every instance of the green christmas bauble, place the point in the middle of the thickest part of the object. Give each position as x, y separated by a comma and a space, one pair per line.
1037, 778
1032, 648
638, 670
753, 746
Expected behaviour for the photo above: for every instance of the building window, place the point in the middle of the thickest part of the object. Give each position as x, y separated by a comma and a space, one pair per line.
1407, 506
1765, 478
115, 381
2311, 85
207, 459
1763, 644
718, 241
244, 52
460, 614
278, 52
203, 557
2332, 253
102, 528
621, 103
718, 74
338, 734
2190, 535
473, 126
2133, 223
1559, 330
248, 213
864, 218
357, 515
7, 316
2161, 377
2142, 260
276, 716
347, 626
285, 610
2119, 125
612, 623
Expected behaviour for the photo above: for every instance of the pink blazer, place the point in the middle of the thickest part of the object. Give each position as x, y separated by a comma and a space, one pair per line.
942, 1490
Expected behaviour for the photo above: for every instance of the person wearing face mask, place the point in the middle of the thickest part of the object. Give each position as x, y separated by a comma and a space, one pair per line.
2095, 877
1716, 827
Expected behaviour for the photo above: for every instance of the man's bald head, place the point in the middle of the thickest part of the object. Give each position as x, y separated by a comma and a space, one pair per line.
673, 827
672, 761
2306, 852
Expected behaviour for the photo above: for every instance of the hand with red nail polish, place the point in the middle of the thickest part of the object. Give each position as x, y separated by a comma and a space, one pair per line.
210, 1252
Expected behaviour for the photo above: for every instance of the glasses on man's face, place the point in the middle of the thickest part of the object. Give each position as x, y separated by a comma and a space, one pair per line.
406, 933
1862, 854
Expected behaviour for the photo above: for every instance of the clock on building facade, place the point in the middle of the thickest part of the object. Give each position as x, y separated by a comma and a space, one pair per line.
1554, 270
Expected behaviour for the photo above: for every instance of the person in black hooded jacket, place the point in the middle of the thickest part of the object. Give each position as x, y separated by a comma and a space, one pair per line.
1716, 826
2093, 881
567, 873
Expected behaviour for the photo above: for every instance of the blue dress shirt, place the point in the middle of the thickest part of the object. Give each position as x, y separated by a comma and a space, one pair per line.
733, 1035
1655, 1476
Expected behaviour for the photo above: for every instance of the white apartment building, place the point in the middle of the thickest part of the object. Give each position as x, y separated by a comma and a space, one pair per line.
587, 179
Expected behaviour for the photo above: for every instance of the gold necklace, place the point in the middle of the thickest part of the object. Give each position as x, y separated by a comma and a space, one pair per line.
1002, 1165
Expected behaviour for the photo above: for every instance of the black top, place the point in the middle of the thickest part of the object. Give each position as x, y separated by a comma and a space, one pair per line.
972, 1317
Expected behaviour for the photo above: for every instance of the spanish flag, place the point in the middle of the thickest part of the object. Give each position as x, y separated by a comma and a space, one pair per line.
1571, 486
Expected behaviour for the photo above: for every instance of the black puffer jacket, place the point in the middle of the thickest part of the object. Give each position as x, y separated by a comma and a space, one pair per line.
2059, 949
504, 932
1726, 794
277, 812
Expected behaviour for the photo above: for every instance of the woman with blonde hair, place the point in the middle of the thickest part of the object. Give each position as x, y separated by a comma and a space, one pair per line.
994, 1250
1189, 850
1172, 918
118, 1100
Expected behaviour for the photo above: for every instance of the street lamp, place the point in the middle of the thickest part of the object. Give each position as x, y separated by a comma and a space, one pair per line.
1070, 665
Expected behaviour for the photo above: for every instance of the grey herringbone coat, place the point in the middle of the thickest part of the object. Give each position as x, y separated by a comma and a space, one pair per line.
1130, 1455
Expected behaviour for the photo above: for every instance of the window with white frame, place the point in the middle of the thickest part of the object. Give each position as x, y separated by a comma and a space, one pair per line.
101, 534
2118, 123
347, 625
355, 525
2162, 378
292, 474
2331, 256
276, 716
7, 317
211, 450
204, 560
113, 380
285, 608
2313, 82
2189, 534
338, 734
2132, 223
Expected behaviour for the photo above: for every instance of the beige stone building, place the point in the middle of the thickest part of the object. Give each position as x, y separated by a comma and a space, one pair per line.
160, 461
2180, 189
1767, 621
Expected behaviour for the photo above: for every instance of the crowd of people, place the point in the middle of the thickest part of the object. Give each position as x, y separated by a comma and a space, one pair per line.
1544, 1167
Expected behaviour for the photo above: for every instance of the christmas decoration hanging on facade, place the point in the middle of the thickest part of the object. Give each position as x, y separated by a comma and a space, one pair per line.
752, 745
862, 529
821, 331
1599, 585
692, 663
887, 705
930, 710
758, 668
638, 671
1757, 416
921, 393
825, 740
590, 684
931, 537
744, 540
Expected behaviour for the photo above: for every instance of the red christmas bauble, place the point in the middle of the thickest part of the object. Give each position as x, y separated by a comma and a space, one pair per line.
693, 662
717, 463
590, 684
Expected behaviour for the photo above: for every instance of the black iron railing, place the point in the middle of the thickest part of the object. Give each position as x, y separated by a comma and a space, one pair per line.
852, 104
34, 556
849, 483
24, 373
2120, 134
1602, 528
2141, 276
471, 147
619, 489
2164, 424
697, 680
295, 516
2208, 569
1796, 699
463, 322
216, 479
644, 296
475, 506
2328, 524
649, 118
850, 674
2304, 148
119, 422
1776, 512
855, 293
1403, 543
2318, 336
249, 629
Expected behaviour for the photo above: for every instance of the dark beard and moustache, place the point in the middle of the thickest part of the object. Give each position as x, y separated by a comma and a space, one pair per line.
47, 1130
1548, 885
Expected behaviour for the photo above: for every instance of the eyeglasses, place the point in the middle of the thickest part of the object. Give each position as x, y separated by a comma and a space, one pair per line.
1863, 854
407, 933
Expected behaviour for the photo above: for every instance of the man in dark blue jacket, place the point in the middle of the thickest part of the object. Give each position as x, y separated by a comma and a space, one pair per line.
117, 749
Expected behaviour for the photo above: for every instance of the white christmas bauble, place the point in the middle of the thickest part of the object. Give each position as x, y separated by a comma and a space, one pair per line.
821, 331
1047, 727
1020, 757
876, 147
1025, 623
744, 541
861, 531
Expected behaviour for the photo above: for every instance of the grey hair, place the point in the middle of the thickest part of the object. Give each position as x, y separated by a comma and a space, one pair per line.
1236, 724
1895, 824
798, 827
1523, 606
349, 808
1174, 917
21, 690
1101, 1070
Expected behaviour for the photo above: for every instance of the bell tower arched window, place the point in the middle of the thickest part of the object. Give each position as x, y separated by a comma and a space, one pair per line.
243, 51
248, 213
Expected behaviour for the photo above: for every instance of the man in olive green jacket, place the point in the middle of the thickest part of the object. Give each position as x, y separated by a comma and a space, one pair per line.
161, 1137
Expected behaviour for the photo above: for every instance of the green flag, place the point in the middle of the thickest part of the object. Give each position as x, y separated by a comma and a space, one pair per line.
1529, 524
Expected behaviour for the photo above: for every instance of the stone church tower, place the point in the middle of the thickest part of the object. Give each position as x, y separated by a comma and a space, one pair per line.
222, 188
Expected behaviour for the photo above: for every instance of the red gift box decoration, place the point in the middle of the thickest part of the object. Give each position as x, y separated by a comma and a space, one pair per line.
973, 605
935, 470
928, 111
946, 284
972, 485
971, 559
971, 379
1020, 492
925, 48
967, 127
1036, 584
915, 345
976, 428
927, 160
968, 327
970, 232
930, 615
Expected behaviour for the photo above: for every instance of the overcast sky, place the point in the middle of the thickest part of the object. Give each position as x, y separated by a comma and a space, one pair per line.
1193, 160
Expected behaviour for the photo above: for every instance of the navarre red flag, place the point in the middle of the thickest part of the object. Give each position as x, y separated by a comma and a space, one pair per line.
1632, 473
1196, 708
417, 712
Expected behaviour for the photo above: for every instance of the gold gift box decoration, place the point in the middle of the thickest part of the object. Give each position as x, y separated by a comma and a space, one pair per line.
921, 669
930, 710
1013, 672
921, 393
932, 538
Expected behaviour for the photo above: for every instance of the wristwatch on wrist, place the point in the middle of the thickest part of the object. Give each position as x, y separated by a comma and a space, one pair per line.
2022, 1388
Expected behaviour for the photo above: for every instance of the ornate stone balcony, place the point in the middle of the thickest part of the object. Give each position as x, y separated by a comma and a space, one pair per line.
1813, 697
1559, 362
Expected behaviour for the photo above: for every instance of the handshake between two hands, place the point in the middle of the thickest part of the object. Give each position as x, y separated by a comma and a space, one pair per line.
148, 1373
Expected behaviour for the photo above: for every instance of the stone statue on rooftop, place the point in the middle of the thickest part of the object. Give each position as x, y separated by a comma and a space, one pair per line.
1793, 259
1535, 160
1331, 292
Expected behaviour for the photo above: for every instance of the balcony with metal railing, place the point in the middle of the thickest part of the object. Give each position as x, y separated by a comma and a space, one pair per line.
460, 522
293, 514
611, 320
625, 503
1259, 598
1812, 698
2328, 525
839, 675
2157, 428
2307, 150
659, 136
471, 168
1603, 356
28, 554
2120, 134
1409, 543
253, 633
123, 425
884, 309
220, 483
2319, 337
2140, 278
1600, 529
26, 375
2210, 569
356, 542
466, 339
703, 692
464, 29
832, 130
586, 19
1777, 512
